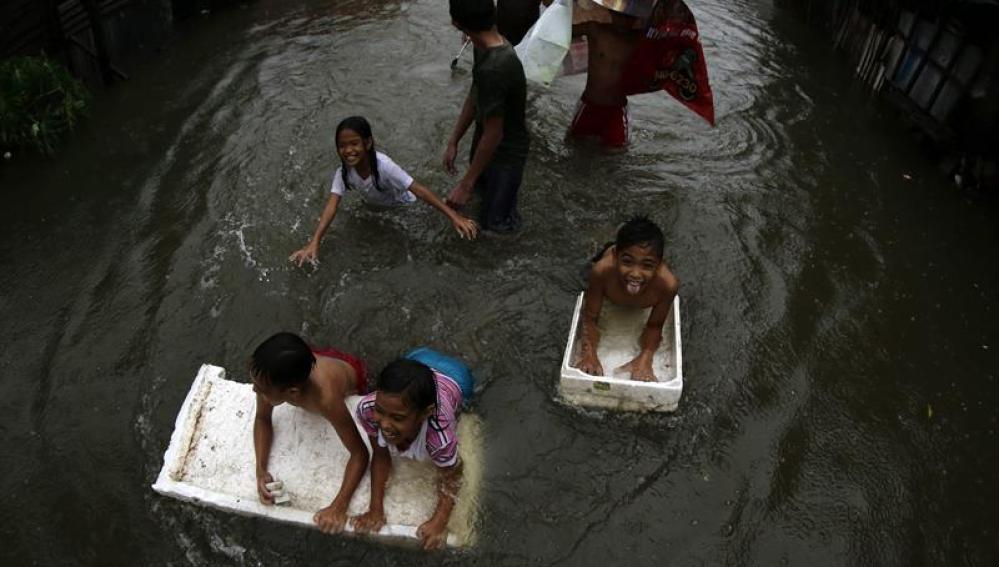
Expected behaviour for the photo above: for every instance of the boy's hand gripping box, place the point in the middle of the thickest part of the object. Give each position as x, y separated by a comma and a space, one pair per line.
620, 328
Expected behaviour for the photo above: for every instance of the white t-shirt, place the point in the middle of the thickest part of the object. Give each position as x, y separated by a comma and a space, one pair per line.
393, 183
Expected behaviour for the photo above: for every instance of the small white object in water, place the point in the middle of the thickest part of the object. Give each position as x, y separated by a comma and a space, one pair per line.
7, 155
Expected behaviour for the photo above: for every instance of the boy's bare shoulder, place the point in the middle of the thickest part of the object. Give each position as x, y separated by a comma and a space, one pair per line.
666, 281
602, 270
336, 380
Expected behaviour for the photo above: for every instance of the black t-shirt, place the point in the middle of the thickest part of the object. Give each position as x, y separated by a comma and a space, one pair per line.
499, 89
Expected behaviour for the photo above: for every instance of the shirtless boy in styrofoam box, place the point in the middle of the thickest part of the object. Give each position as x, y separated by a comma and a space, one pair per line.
286, 369
629, 272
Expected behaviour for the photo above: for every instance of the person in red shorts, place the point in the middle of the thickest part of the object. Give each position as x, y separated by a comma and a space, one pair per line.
612, 29
286, 369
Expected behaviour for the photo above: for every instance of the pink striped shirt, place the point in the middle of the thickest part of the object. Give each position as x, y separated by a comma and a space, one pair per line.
438, 437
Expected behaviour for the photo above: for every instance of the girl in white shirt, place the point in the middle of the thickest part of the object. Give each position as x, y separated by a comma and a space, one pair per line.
379, 181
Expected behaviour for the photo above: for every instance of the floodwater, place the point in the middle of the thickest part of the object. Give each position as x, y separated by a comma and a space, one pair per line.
840, 303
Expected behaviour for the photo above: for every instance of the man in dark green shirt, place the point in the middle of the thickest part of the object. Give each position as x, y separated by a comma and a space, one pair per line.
496, 105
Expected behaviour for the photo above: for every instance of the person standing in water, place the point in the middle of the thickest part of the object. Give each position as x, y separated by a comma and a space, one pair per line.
379, 181
612, 29
631, 272
495, 104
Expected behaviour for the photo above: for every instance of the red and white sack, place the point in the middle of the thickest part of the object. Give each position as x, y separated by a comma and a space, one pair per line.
669, 57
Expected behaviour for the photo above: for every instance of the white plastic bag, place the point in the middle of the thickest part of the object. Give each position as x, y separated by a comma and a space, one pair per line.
544, 47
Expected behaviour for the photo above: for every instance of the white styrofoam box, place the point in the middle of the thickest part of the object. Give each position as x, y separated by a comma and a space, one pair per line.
620, 329
210, 462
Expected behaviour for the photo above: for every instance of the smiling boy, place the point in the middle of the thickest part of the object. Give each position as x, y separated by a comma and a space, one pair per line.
629, 272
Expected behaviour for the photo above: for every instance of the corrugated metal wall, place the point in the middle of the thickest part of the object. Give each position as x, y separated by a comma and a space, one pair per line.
98, 40
937, 61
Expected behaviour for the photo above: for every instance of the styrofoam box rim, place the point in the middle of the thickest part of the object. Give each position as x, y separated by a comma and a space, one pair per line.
180, 442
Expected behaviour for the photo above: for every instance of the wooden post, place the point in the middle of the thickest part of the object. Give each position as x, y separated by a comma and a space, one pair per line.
100, 40
55, 40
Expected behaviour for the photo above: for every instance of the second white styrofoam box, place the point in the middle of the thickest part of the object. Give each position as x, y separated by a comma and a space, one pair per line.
210, 462
620, 329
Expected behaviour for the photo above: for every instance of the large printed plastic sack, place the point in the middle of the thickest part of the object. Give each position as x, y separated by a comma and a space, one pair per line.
670, 58
544, 47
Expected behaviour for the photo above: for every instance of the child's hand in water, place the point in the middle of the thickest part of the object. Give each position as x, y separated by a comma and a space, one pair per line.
331, 519
262, 492
368, 522
590, 364
640, 369
309, 253
466, 227
433, 534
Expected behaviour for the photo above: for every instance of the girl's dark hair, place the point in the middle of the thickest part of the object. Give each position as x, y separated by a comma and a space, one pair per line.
360, 125
285, 360
641, 231
413, 380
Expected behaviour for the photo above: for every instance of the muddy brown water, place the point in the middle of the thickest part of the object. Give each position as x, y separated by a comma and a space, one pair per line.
840, 303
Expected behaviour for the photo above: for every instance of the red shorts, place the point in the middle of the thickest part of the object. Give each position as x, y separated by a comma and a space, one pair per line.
359, 366
609, 123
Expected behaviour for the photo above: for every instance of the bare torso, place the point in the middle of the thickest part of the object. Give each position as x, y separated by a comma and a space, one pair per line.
333, 380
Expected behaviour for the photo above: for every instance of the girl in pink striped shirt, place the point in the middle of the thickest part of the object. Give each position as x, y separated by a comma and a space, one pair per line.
413, 413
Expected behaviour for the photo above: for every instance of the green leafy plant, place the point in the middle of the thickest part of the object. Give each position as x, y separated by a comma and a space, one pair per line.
39, 103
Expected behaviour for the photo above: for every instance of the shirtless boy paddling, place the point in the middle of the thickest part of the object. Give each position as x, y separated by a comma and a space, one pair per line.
286, 370
630, 272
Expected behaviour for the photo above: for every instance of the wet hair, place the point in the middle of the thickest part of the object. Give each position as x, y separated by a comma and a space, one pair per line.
362, 127
284, 360
413, 380
641, 231
473, 15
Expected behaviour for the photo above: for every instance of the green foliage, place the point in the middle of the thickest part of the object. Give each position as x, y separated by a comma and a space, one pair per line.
39, 103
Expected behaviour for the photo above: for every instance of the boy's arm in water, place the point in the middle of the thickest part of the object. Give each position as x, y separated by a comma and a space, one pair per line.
492, 135
466, 227
433, 532
641, 366
310, 251
332, 518
593, 301
381, 465
465, 119
263, 436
